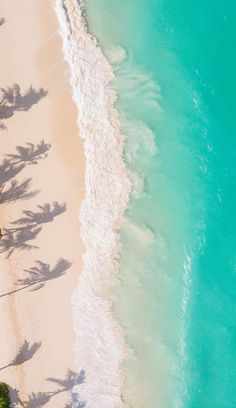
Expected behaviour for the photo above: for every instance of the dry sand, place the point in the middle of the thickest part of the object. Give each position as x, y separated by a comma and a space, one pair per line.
38, 316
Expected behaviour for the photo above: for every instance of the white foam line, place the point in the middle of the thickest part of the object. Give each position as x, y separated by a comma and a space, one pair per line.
100, 345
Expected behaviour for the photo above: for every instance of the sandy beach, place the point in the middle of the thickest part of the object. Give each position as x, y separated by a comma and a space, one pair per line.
41, 181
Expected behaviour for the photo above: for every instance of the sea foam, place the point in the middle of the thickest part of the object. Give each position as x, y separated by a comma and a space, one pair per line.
100, 345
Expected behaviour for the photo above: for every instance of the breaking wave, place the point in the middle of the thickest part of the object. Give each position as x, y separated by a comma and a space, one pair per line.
100, 346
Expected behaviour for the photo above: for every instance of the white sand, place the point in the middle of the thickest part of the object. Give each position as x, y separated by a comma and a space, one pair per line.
31, 54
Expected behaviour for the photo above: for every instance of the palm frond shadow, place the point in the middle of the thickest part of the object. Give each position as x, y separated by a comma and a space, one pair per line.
40, 274
69, 381
19, 239
30, 154
25, 353
9, 170
13, 100
10, 188
27, 228
14, 397
47, 212
37, 400
17, 191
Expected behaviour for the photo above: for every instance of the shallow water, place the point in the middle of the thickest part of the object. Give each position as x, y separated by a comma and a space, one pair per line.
174, 65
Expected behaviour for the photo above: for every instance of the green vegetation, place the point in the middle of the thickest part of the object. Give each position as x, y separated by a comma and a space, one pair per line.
4, 396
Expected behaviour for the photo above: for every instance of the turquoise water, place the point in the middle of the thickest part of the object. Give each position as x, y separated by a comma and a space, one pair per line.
176, 97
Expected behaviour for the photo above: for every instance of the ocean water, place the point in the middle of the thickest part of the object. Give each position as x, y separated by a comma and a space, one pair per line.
174, 67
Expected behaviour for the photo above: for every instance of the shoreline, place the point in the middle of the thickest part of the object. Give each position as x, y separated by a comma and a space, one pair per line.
36, 358
100, 341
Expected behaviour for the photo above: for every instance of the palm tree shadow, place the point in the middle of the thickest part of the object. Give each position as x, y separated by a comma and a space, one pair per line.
17, 191
28, 227
26, 101
13, 165
14, 397
13, 100
25, 353
30, 154
18, 239
2, 21
9, 170
70, 380
41, 273
66, 385
47, 212
37, 400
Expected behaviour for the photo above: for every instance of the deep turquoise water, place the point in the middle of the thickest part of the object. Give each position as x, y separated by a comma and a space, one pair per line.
176, 96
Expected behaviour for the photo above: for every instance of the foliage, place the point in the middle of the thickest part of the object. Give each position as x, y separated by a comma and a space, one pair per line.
4, 396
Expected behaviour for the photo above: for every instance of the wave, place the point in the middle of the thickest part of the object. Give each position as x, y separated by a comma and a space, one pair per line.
100, 346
